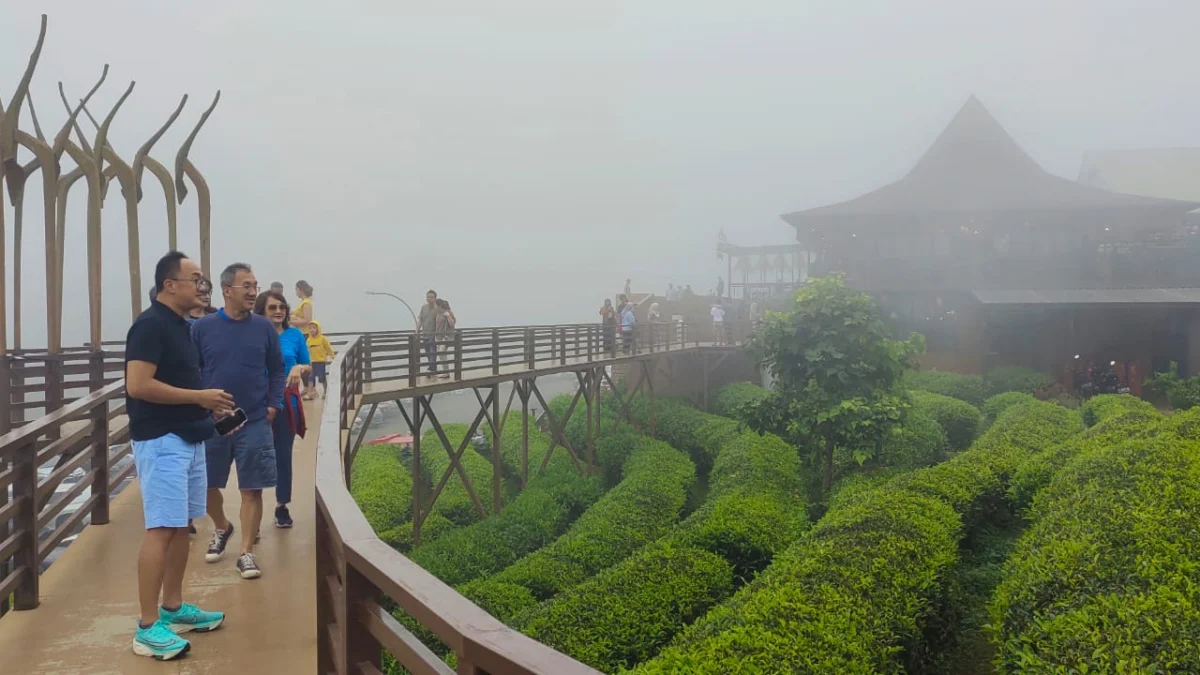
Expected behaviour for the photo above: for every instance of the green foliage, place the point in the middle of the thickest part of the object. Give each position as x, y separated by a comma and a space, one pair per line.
997, 404
1117, 425
455, 503
498, 598
1182, 393
638, 510
967, 388
959, 419
698, 434
1099, 408
835, 367
732, 399
381, 486
1016, 378
1105, 580
919, 441
843, 599
534, 518
618, 617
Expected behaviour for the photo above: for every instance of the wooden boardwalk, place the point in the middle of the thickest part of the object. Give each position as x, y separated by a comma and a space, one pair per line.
89, 596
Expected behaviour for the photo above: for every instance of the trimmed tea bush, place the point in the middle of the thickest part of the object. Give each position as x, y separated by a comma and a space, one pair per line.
731, 398
1001, 402
919, 441
959, 419
454, 503
619, 617
1098, 408
638, 510
1105, 580
836, 602
1016, 378
968, 388
381, 486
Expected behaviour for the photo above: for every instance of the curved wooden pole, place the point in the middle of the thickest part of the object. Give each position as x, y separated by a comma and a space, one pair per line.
44, 156
64, 134
140, 157
16, 193
184, 166
168, 186
90, 170
8, 121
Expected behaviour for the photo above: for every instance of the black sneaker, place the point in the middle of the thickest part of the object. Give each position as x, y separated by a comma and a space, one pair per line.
283, 519
216, 545
247, 566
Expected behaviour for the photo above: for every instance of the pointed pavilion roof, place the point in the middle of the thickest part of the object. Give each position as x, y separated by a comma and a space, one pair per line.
975, 166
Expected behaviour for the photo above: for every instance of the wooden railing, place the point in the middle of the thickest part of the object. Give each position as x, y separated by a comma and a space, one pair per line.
355, 570
74, 437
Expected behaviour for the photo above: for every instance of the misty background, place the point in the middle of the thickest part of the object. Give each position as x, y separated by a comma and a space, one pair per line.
524, 158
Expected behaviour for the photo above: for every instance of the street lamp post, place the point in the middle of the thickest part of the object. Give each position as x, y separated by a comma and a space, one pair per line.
406, 305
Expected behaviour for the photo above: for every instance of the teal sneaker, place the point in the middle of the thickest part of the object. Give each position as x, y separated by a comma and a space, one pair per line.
159, 642
190, 618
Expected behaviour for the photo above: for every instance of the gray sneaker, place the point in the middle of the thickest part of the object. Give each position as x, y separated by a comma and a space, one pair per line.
216, 545
247, 566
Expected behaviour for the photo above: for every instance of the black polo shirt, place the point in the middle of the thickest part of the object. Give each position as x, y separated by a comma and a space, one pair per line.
162, 337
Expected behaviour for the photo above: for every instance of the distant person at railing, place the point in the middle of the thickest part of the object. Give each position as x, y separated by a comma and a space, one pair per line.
444, 326
608, 324
276, 286
169, 422
653, 314
628, 283
304, 311
204, 290
756, 315
670, 291
718, 319
240, 353
628, 322
687, 292
321, 353
720, 287
297, 364
427, 329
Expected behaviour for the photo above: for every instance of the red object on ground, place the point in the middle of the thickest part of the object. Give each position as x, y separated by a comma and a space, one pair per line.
392, 439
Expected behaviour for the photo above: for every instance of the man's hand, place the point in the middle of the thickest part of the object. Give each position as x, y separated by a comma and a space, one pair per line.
271, 413
216, 400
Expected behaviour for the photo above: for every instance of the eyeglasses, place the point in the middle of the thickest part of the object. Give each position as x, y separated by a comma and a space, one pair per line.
203, 286
277, 308
248, 287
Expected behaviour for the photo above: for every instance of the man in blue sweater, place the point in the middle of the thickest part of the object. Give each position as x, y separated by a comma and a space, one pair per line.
240, 353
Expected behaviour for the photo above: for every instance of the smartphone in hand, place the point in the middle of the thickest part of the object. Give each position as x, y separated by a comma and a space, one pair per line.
227, 424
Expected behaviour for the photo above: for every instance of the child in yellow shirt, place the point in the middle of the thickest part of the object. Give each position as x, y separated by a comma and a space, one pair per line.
320, 352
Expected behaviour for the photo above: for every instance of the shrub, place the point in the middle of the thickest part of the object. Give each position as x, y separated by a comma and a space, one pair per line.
638, 510
1105, 580
1182, 393
455, 503
968, 388
730, 399
1098, 408
1016, 378
619, 617
959, 419
381, 486
997, 404
841, 600
698, 434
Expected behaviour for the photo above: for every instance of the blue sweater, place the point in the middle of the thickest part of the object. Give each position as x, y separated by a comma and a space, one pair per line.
295, 351
242, 357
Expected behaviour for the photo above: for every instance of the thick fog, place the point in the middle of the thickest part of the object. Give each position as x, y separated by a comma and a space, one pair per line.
524, 158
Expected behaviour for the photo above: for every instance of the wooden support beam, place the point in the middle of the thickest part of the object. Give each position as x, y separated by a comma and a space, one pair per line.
557, 431
455, 458
524, 391
496, 463
416, 467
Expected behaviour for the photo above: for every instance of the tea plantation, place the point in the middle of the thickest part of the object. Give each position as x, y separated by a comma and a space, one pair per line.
991, 532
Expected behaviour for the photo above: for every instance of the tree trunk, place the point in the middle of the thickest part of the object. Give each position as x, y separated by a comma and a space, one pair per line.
828, 480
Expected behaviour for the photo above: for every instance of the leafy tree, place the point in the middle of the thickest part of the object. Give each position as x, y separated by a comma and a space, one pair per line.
835, 367
1182, 393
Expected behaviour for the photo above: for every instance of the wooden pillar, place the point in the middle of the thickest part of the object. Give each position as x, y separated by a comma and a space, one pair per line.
25, 489
496, 462
414, 363
523, 392
589, 382
99, 420
417, 417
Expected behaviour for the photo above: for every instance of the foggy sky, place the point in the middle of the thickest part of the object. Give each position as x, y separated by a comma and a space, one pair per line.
524, 157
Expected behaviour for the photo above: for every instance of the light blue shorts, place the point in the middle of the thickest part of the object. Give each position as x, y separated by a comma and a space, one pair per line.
173, 479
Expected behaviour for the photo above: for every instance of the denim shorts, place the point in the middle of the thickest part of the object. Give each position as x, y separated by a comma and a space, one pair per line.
252, 447
173, 480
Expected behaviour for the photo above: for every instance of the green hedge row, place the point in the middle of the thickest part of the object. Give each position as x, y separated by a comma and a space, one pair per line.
854, 595
997, 404
967, 388
382, 487
1106, 578
1003, 379
959, 419
625, 614
1098, 408
733, 397
455, 502
641, 508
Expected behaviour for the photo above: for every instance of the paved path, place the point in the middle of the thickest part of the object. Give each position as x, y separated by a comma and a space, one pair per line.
89, 597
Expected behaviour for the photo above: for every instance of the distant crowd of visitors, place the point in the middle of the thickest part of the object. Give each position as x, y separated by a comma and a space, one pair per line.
621, 319
206, 390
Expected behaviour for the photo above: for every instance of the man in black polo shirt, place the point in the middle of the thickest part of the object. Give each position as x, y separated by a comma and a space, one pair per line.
169, 420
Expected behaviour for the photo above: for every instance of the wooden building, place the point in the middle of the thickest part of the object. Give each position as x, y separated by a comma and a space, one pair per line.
999, 262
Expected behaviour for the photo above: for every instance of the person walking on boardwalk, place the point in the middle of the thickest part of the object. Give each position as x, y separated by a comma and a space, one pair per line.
427, 329
608, 324
321, 354
296, 363
169, 422
628, 322
240, 353
304, 311
445, 323
718, 319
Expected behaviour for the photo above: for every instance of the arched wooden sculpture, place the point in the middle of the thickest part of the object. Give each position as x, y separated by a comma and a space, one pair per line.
184, 166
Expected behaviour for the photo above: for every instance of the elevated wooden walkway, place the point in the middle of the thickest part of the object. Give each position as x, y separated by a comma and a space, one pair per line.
89, 596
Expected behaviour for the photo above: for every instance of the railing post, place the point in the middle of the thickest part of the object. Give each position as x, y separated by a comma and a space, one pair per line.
8, 368
368, 375
562, 346
529, 349
326, 613
590, 344
25, 489
457, 354
360, 647
99, 442
414, 360
495, 351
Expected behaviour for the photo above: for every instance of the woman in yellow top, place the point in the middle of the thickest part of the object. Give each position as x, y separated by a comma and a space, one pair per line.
320, 352
303, 313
